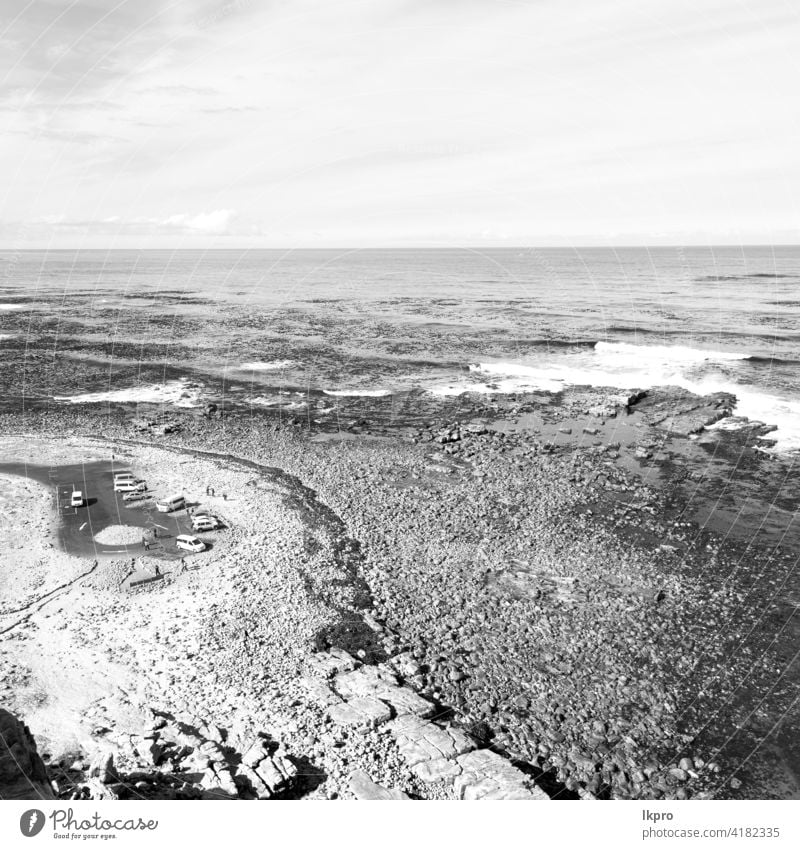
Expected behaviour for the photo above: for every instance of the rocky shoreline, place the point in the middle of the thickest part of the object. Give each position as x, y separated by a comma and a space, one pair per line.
521, 574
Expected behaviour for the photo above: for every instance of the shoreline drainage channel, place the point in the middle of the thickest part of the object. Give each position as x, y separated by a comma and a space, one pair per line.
347, 554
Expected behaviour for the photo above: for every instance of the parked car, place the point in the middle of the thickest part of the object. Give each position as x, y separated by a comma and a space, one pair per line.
123, 476
77, 498
190, 543
129, 486
134, 496
167, 505
204, 523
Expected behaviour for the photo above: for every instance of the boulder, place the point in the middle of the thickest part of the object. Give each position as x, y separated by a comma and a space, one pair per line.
254, 754
257, 783
22, 771
364, 788
102, 768
278, 773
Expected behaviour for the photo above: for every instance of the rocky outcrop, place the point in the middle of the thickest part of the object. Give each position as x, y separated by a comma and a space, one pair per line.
372, 696
22, 771
176, 759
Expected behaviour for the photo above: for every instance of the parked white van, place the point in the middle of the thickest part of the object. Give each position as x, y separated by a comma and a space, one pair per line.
129, 486
204, 523
190, 543
167, 505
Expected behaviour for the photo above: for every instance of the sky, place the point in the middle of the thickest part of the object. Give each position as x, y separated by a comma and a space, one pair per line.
303, 123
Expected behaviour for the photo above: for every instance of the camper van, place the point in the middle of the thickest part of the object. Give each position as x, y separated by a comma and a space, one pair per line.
167, 505
204, 522
131, 485
189, 543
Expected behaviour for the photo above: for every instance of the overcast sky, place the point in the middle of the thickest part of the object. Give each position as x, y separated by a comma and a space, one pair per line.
398, 122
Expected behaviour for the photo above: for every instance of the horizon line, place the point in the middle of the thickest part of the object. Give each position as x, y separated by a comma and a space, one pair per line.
520, 247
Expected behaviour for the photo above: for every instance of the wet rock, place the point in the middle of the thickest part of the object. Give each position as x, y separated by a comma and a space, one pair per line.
603, 411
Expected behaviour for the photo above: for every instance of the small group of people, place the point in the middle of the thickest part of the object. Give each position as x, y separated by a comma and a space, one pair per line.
148, 537
210, 491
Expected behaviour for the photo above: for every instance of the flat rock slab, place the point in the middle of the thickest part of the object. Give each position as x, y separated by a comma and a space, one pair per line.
382, 684
405, 701
486, 775
332, 662
364, 788
439, 769
364, 681
363, 711
420, 741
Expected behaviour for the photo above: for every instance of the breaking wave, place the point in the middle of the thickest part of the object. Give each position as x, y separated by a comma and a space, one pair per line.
624, 366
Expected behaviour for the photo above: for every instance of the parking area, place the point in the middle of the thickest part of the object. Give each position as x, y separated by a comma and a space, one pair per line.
64, 498
109, 524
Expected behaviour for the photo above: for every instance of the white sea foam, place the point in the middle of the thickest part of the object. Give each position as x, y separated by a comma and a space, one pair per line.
179, 393
769, 409
357, 393
275, 365
275, 401
624, 366
499, 386
12, 306
262, 401
664, 353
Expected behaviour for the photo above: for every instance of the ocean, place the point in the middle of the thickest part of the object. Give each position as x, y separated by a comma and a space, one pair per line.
267, 326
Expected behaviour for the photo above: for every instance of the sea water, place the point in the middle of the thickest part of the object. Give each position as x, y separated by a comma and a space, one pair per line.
376, 322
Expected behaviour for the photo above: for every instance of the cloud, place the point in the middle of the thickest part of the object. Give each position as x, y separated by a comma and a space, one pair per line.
218, 222
395, 122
